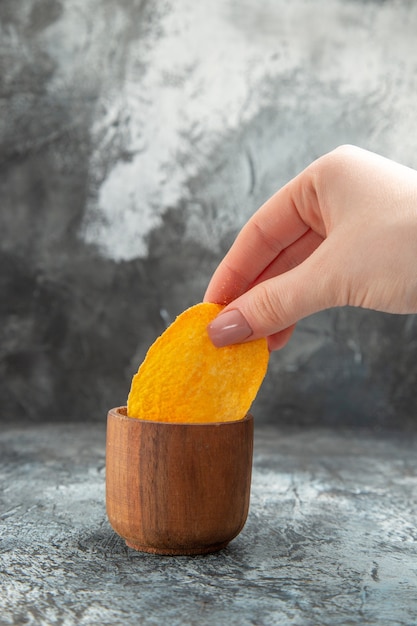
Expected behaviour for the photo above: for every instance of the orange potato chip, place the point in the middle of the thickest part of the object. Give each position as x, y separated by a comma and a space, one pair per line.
185, 378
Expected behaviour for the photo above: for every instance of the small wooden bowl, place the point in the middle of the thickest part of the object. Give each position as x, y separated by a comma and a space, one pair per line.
177, 488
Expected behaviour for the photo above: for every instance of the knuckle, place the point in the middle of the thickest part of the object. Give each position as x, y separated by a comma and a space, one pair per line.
336, 163
268, 309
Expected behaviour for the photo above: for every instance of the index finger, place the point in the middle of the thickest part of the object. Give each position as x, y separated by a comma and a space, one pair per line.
275, 226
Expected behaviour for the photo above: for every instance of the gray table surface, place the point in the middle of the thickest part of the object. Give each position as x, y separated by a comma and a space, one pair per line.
331, 537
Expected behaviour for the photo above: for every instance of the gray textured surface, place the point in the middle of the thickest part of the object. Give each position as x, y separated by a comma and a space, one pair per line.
135, 139
331, 537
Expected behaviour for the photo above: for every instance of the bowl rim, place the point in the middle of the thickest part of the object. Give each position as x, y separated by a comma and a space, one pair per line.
120, 412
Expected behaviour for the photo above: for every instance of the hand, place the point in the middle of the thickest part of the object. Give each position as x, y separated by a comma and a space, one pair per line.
342, 232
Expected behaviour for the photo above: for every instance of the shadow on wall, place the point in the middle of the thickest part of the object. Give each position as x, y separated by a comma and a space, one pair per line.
132, 149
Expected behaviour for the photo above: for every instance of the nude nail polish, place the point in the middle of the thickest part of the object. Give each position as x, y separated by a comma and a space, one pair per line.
228, 328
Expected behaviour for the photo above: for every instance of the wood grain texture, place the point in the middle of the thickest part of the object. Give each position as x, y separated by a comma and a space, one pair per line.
177, 488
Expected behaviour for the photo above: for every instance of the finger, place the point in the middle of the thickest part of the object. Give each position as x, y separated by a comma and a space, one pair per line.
280, 339
291, 256
278, 303
274, 227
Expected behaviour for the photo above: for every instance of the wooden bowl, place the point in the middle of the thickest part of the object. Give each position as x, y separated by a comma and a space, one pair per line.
177, 488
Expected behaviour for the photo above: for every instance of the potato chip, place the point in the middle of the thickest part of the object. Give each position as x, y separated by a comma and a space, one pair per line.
185, 378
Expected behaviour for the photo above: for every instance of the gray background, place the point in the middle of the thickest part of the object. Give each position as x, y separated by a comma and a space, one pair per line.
136, 138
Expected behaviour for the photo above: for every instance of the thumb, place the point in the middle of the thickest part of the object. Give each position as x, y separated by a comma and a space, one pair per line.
279, 302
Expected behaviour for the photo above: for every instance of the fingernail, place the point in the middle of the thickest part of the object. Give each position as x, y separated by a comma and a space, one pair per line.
229, 327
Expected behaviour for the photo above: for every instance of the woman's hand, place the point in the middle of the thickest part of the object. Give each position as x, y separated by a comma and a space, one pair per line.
343, 232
